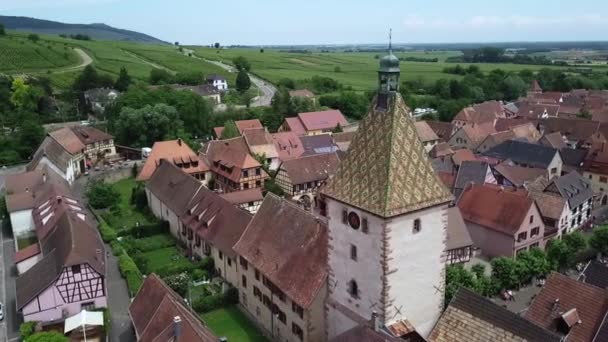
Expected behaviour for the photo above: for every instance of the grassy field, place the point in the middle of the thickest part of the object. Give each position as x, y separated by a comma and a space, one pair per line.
357, 69
159, 258
233, 324
127, 216
20, 55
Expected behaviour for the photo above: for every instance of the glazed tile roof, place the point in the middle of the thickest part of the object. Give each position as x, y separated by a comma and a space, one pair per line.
289, 246
473, 318
386, 170
589, 301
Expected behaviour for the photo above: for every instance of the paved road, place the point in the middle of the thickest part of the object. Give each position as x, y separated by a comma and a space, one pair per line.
9, 328
267, 90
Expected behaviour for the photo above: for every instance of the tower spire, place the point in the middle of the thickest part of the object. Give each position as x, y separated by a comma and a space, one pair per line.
390, 41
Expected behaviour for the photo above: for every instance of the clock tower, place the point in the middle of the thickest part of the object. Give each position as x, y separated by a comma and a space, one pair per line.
387, 214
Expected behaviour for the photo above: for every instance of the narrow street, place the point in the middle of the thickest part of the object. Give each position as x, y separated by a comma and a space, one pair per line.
9, 328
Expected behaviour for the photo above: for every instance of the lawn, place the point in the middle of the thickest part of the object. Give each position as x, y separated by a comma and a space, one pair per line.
160, 258
127, 216
233, 324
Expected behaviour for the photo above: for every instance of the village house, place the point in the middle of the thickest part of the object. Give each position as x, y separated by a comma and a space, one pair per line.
473, 318
524, 132
372, 332
574, 131
300, 178
470, 136
260, 145
482, 113
501, 221
249, 200
303, 93
160, 314
571, 309
318, 144
288, 145
313, 123
99, 98
207, 91
555, 210
178, 153
210, 227
241, 126
472, 172
528, 155
595, 168
232, 165
577, 191
427, 135
283, 271
459, 245
553, 140
70, 266
219, 82
444, 130
509, 174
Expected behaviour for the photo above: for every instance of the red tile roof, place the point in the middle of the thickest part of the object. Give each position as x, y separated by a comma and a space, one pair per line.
175, 151
26, 253
90, 135
288, 145
327, 119
562, 294
502, 210
68, 140
301, 93
295, 125
172, 186
242, 125
311, 168
243, 196
462, 155
442, 129
233, 154
289, 246
153, 311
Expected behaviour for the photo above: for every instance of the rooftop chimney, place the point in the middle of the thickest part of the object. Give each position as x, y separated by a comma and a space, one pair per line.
177, 327
179, 141
44, 177
375, 324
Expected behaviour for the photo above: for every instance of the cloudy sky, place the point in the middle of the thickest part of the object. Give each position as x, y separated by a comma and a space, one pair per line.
333, 21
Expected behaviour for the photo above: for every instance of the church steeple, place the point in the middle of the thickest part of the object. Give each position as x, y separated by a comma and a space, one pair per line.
389, 71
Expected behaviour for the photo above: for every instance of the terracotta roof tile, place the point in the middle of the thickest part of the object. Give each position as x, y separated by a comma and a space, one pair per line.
441, 150
573, 129
68, 140
503, 210
442, 129
231, 153
425, 132
90, 135
589, 301
311, 168
289, 246
175, 151
260, 142
295, 125
554, 140
26, 253
503, 124
173, 187
463, 155
519, 175
54, 152
243, 196
242, 125
288, 145
327, 119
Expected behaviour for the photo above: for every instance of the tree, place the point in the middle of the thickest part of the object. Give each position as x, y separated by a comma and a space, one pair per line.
24, 96
30, 135
534, 264
456, 276
558, 253
26, 329
176, 43
513, 87
241, 63
230, 130
337, 69
33, 37
142, 127
47, 337
271, 186
506, 272
575, 241
479, 270
2, 30
90, 79
243, 83
261, 50
123, 81
599, 240
160, 76
337, 129
102, 195
216, 45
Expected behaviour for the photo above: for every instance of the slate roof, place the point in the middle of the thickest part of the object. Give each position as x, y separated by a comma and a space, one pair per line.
596, 274
473, 318
173, 187
458, 234
573, 187
471, 172
386, 170
502, 210
523, 153
152, 312
71, 241
289, 246
312, 168
216, 220
175, 151
588, 300
573, 157
316, 144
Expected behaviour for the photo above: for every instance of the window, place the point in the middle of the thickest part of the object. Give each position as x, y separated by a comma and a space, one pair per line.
282, 316
353, 289
553, 170
603, 179
353, 252
535, 231
246, 186
221, 255
258, 171
243, 263
534, 245
296, 330
257, 293
76, 269
353, 220
89, 306
417, 226
244, 298
250, 204
245, 173
344, 216
297, 309
590, 176
531, 218
258, 183
244, 281
522, 236
364, 227
229, 262
257, 275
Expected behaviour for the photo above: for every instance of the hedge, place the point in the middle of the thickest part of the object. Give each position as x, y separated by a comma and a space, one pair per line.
216, 301
129, 271
108, 234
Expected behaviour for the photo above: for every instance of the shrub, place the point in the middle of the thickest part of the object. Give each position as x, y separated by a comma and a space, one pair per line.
208, 303
116, 248
207, 264
129, 271
108, 234
102, 195
47, 337
199, 274
27, 329
231, 296
178, 282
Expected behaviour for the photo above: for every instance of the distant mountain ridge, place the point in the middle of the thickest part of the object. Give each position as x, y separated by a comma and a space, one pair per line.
96, 31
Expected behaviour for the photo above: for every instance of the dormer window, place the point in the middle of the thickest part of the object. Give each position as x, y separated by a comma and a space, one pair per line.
417, 227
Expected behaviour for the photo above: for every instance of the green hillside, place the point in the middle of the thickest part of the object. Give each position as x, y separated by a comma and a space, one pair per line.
20, 55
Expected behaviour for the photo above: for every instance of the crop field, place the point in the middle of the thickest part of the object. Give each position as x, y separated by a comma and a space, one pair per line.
355, 69
19, 54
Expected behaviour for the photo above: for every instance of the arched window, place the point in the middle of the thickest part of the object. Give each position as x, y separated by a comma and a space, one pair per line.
353, 289
417, 226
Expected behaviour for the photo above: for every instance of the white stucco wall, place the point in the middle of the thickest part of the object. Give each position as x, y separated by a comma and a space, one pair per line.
26, 264
68, 175
22, 222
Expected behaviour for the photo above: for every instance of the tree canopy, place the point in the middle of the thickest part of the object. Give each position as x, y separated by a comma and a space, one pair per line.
123, 81
142, 127
243, 83
230, 130
241, 63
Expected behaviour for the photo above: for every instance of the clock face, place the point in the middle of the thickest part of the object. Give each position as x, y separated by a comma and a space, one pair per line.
353, 220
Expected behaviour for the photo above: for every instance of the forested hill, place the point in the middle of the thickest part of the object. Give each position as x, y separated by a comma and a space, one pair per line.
94, 31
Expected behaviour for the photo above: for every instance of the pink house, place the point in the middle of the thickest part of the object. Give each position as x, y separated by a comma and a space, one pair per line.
69, 274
